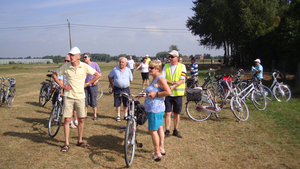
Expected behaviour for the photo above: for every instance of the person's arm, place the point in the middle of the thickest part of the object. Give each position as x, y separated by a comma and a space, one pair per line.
61, 85
96, 77
111, 82
138, 66
162, 83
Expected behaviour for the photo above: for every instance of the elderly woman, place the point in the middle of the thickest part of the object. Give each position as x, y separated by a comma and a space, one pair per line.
144, 71
155, 106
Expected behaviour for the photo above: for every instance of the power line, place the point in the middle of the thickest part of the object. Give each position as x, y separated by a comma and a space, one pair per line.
119, 28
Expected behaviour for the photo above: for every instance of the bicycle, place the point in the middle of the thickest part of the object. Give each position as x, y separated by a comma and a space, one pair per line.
46, 90
130, 132
7, 92
56, 114
281, 92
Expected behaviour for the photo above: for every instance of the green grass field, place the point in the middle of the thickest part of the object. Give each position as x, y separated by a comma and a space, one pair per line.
269, 139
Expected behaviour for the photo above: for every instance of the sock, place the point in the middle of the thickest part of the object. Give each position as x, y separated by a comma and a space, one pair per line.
76, 121
71, 122
168, 130
118, 115
175, 129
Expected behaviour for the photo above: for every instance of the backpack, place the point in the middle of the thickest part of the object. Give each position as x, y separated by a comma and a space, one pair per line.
141, 113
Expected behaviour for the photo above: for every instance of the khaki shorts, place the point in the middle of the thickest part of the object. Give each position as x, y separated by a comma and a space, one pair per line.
69, 104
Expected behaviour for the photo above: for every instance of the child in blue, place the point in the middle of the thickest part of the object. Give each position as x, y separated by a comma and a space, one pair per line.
258, 69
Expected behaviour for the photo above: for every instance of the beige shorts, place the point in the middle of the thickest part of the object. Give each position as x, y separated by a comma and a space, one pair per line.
69, 104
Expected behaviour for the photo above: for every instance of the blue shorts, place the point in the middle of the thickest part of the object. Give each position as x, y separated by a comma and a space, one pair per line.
91, 93
155, 120
118, 99
175, 103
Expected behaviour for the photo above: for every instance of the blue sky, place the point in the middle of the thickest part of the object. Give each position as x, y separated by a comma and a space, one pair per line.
135, 27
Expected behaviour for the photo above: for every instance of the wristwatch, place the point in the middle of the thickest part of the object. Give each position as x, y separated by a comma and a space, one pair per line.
87, 84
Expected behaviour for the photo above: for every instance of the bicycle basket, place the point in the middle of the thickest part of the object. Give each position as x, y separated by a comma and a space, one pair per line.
141, 113
193, 94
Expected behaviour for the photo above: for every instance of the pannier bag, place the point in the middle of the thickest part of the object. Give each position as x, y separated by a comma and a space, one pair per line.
229, 80
193, 94
141, 114
190, 82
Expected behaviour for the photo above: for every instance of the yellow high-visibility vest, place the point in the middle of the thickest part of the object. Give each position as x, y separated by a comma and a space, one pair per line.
179, 90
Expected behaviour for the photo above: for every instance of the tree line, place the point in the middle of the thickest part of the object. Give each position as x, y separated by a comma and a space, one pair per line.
246, 30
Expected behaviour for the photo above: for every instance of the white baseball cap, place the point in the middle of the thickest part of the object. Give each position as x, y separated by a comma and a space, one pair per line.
74, 50
257, 60
174, 53
147, 55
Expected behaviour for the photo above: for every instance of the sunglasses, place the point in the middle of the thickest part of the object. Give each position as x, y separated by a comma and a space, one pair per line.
67, 60
171, 56
85, 57
151, 67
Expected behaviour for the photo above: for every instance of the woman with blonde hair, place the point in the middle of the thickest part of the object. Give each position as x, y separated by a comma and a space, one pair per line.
157, 90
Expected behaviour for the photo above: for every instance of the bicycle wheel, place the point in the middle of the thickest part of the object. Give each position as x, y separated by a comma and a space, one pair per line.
100, 91
129, 143
1, 95
239, 108
268, 93
55, 120
282, 93
110, 90
197, 114
258, 99
11, 96
42, 97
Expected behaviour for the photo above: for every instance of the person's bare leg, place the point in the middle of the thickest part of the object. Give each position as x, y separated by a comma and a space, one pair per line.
125, 111
95, 111
67, 130
161, 135
80, 129
155, 141
167, 120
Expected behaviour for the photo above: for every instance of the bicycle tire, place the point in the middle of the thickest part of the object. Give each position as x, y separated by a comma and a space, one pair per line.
197, 114
42, 97
129, 143
282, 93
110, 91
100, 91
11, 96
1, 95
239, 108
258, 99
268, 93
54, 121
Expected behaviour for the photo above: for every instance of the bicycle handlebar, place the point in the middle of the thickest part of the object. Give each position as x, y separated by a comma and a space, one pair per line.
51, 71
142, 93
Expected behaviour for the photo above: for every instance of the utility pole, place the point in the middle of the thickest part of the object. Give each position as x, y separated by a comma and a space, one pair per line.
69, 34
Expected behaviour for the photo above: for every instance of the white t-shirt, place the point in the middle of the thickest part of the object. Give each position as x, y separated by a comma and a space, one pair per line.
130, 63
145, 68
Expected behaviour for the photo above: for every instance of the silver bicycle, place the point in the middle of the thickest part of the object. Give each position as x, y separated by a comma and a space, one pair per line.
7, 92
281, 92
130, 131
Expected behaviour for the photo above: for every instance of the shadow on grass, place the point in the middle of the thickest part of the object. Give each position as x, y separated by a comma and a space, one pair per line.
106, 148
35, 121
33, 103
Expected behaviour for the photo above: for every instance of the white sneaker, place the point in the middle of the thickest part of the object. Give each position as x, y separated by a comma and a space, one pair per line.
72, 126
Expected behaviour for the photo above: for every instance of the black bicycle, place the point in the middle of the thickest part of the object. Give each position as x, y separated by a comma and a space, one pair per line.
46, 90
56, 114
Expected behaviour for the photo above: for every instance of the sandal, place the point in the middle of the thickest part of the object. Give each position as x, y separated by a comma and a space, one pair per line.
82, 145
95, 118
65, 148
156, 157
162, 152
118, 119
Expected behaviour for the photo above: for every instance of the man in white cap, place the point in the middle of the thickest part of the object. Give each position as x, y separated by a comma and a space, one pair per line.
258, 69
75, 72
175, 74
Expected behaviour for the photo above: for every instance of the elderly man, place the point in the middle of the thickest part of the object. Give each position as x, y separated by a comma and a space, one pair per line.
175, 74
120, 78
62, 79
91, 91
131, 64
75, 72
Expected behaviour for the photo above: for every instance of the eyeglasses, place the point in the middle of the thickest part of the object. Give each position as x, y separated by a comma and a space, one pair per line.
151, 67
171, 56
67, 60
